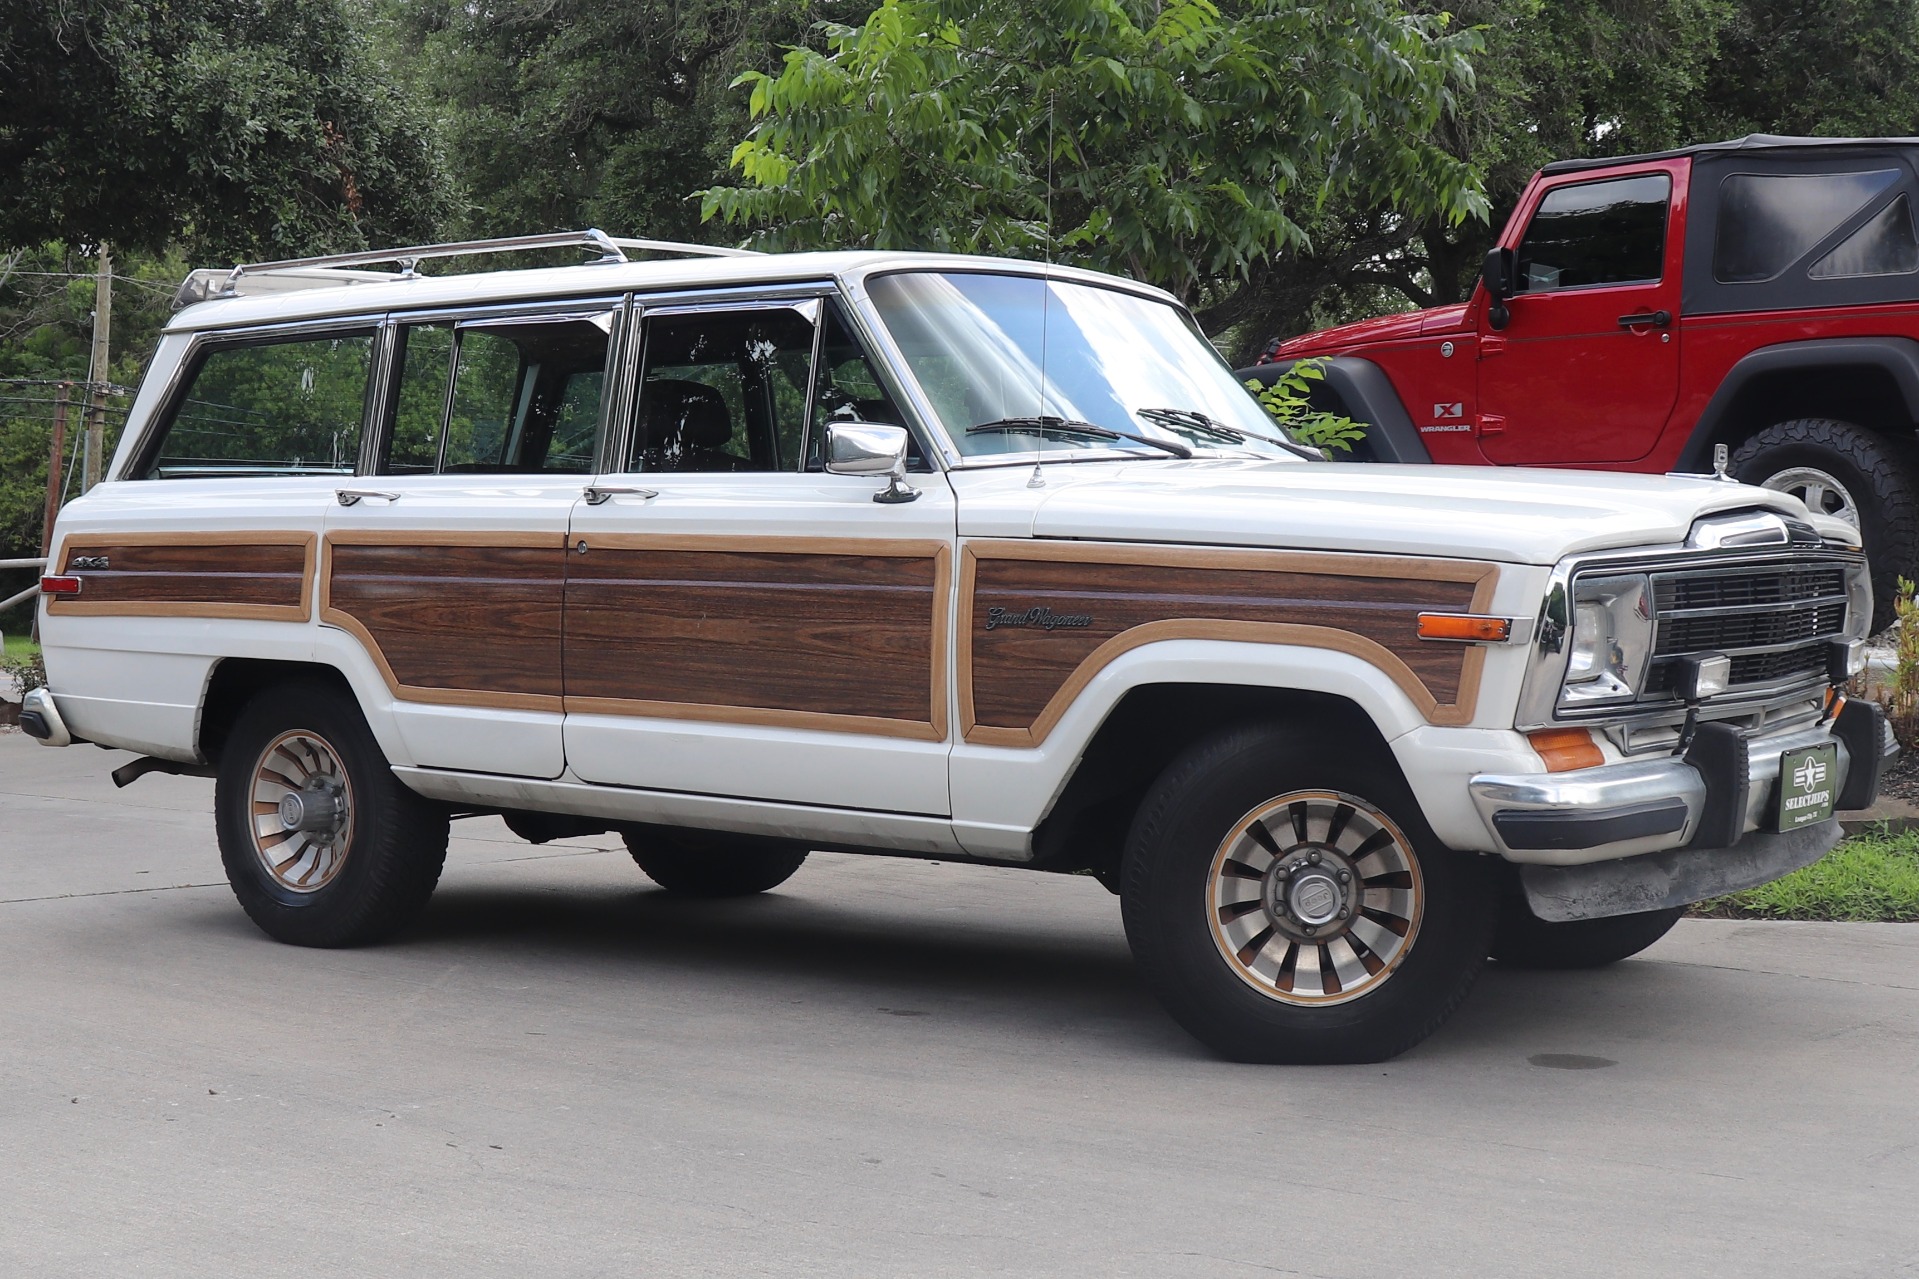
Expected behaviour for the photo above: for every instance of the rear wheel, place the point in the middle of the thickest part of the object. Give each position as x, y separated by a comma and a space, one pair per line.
1288, 905
710, 864
1869, 480
322, 844
1524, 940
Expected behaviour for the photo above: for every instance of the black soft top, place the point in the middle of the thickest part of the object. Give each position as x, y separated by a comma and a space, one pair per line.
1751, 142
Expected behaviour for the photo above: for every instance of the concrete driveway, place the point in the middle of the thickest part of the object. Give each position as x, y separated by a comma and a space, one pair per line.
884, 1068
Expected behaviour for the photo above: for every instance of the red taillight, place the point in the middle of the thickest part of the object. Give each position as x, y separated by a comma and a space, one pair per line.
59, 586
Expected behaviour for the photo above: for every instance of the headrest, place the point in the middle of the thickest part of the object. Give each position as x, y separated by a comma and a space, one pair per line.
690, 414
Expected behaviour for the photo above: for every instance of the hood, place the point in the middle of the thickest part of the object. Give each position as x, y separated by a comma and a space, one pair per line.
1384, 328
1468, 512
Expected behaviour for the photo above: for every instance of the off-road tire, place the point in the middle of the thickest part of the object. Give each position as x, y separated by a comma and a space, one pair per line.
1523, 940
389, 862
1880, 477
711, 864
1194, 821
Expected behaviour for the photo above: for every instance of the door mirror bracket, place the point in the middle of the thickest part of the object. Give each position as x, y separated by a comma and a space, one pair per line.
871, 448
1498, 272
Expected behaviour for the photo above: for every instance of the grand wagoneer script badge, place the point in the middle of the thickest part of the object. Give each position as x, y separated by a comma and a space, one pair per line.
1043, 619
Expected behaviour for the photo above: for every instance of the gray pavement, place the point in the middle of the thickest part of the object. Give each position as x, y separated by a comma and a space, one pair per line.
885, 1068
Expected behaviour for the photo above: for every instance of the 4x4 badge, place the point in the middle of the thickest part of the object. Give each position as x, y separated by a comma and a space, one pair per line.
1044, 619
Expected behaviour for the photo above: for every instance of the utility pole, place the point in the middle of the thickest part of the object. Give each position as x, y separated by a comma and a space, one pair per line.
97, 401
56, 464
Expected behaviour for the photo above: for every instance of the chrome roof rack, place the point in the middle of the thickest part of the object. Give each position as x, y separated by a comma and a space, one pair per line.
333, 270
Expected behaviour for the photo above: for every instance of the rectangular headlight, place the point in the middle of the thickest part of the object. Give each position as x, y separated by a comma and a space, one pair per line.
1611, 641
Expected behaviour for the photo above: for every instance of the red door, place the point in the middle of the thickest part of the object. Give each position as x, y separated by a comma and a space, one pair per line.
1587, 366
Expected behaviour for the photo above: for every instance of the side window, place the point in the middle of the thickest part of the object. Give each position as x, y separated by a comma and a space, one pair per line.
271, 408
723, 391
1768, 221
1595, 233
524, 397
849, 389
1884, 246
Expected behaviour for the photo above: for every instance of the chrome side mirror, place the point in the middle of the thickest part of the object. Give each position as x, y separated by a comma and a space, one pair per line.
870, 448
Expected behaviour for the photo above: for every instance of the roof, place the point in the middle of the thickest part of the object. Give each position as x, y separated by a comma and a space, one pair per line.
363, 296
1751, 142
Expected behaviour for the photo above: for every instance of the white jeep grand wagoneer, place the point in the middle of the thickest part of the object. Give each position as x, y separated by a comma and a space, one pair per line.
741, 556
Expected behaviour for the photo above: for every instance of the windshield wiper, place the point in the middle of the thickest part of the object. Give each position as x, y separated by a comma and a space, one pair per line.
1040, 426
1194, 420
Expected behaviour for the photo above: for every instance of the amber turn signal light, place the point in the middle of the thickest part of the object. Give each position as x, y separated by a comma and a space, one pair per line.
1564, 749
1466, 628
59, 586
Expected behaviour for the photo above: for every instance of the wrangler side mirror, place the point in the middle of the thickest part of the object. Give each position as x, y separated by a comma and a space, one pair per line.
1498, 273
870, 448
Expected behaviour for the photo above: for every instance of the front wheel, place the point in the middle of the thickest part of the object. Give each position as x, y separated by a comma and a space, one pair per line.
322, 844
1290, 907
1523, 940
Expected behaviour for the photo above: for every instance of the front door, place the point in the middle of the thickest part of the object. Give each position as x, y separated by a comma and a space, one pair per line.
732, 611
449, 564
1587, 367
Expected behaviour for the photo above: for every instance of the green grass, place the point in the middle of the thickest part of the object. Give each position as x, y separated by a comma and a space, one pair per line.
20, 646
1873, 877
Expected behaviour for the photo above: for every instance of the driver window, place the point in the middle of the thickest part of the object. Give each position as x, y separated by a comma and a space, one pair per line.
492, 398
849, 390
1597, 233
723, 391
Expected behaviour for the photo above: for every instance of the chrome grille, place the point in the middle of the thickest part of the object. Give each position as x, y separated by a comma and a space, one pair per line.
1773, 621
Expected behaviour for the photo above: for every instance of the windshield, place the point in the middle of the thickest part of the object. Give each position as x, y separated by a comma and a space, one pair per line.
1121, 372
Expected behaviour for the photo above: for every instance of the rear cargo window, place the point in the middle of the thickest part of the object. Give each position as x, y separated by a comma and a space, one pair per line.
1768, 221
1596, 233
271, 408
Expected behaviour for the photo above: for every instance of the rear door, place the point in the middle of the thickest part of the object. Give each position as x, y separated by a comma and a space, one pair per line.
738, 621
448, 561
1587, 368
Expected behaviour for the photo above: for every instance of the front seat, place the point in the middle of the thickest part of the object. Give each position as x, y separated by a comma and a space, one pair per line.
685, 426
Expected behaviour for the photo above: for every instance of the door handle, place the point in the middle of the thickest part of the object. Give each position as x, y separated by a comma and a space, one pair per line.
1490, 423
599, 494
352, 497
1657, 319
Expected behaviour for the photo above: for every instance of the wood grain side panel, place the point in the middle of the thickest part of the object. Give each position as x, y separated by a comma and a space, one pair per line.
267, 577
1017, 681
759, 635
451, 622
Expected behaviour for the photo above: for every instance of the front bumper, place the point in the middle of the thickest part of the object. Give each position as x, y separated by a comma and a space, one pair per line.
1711, 797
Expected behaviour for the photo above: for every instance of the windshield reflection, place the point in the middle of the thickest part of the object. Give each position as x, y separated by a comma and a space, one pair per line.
997, 348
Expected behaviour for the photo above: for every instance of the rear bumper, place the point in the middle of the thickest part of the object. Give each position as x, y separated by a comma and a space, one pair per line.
40, 719
1714, 796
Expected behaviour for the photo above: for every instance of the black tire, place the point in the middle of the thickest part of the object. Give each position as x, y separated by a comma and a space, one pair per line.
391, 844
711, 864
1198, 819
1877, 475
1523, 940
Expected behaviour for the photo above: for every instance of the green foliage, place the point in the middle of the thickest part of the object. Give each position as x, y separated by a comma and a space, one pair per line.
239, 128
1867, 878
1901, 696
1287, 399
566, 113
21, 663
1179, 143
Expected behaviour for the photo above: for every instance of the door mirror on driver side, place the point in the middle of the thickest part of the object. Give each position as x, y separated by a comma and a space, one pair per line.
1498, 273
870, 448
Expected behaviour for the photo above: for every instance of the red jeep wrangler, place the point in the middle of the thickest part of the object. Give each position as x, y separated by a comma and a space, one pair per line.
1761, 293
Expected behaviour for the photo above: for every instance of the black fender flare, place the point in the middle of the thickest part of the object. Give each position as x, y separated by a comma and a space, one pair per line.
1369, 397
1897, 357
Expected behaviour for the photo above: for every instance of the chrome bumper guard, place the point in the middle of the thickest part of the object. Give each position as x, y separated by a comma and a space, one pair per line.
40, 719
1712, 797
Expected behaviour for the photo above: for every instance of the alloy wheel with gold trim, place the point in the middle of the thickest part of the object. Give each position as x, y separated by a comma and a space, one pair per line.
1315, 897
302, 811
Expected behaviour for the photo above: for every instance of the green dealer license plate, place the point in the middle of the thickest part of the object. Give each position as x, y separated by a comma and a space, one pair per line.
1808, 785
